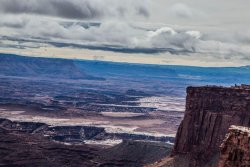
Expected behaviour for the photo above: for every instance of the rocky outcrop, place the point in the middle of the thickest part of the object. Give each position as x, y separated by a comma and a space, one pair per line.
22, 149
210, 111
235, 150
138, 151
29, 150
75, 134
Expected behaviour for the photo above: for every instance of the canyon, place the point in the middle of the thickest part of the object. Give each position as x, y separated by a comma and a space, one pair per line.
107, 114
214, 132
19, 148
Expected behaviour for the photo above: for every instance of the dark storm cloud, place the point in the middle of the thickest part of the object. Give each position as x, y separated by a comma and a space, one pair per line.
69, 9
73, 9
120, 49
143, 11
112, 48
62, 8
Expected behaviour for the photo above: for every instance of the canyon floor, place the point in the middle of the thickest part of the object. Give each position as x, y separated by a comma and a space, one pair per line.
22, 149
152, 124
44, 124
62, 112
128, 112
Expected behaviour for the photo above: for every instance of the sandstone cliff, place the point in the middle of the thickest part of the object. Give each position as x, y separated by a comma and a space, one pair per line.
235, 150
210, 111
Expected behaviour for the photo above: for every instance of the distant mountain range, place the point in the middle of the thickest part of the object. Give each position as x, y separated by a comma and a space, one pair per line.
13, 65
174, 73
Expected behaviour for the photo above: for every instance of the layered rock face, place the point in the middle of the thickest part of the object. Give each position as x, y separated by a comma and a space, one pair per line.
210, 111
235, 150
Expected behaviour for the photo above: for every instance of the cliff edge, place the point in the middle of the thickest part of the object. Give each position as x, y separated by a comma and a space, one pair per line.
210, 111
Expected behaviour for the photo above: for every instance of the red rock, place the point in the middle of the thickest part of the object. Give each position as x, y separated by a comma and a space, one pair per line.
235, 150
210, 111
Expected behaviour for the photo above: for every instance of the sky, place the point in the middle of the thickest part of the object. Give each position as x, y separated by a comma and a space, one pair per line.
176, 32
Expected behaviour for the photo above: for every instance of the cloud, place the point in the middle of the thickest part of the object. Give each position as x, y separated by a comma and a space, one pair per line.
181, 10
154, 27
170, 38
76, 9
117, 36
121, 36
143, 11
13, 22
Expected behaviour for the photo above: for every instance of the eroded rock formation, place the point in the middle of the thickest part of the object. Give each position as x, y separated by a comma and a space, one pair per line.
21, 148
235, 150
210, 111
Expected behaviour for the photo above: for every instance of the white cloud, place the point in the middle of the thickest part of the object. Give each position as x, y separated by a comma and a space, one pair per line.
184, 31
181, 10
169, 38
120, 34
195, 34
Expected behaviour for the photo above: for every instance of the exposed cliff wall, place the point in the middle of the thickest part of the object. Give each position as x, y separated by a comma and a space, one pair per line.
210, 111
235, 150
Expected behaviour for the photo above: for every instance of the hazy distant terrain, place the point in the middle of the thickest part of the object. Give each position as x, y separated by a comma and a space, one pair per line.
138, 99
118, 109
112, 83
169, 73
149, 75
